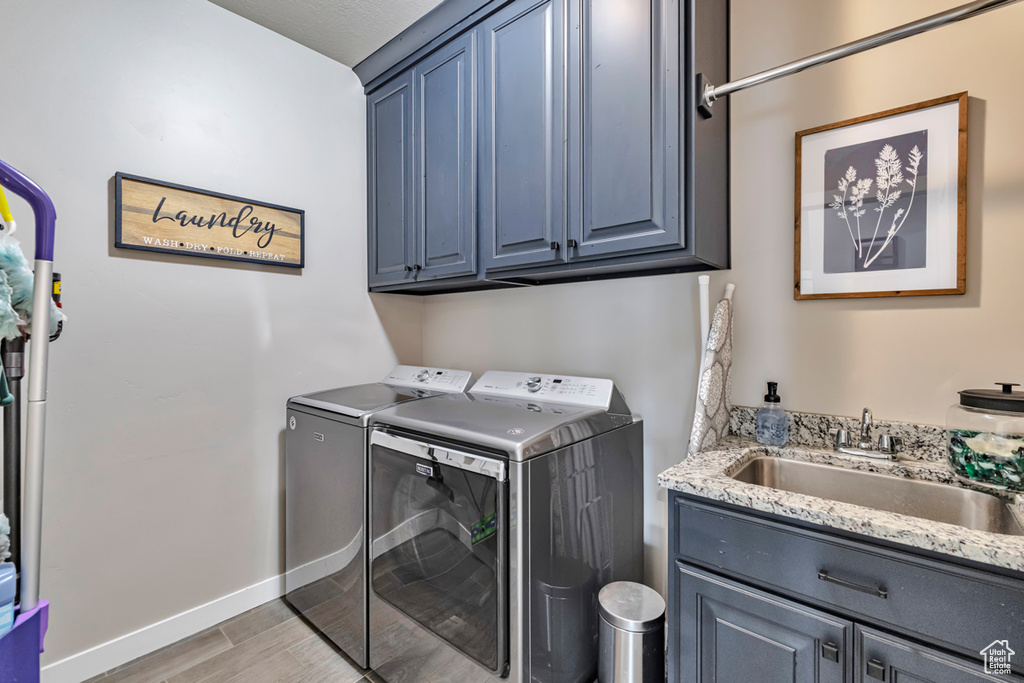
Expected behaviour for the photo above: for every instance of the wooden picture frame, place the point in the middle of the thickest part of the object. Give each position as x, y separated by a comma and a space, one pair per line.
168, 218
858, 232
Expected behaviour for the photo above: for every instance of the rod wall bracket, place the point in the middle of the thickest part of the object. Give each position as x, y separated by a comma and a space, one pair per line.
705, 96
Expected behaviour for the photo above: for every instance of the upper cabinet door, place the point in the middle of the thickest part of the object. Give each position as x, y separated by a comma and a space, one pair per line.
390, 200
624, 126
445, 161
522, 214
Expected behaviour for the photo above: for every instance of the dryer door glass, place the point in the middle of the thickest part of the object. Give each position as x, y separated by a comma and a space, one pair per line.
438, 552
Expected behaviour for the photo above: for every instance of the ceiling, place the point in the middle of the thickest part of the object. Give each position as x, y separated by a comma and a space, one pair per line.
345, 30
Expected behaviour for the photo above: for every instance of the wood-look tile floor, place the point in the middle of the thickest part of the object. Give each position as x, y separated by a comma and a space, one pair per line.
268, 644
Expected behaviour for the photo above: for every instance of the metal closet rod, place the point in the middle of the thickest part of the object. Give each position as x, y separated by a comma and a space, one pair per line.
971, 9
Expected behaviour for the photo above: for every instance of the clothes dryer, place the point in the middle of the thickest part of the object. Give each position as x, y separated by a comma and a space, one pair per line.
325, 496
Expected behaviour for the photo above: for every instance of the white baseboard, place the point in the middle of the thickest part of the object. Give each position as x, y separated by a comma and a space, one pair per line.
106, 656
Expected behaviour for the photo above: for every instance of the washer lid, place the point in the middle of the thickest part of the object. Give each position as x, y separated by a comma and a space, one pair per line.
522, 429
404, 383
362, 399
631, 606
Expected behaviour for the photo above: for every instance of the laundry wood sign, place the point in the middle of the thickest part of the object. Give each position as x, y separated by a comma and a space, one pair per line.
173, 219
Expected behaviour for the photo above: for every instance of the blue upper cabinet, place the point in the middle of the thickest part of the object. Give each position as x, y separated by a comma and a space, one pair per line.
522, 123
623, 127
534, 141
444, 96
390, 184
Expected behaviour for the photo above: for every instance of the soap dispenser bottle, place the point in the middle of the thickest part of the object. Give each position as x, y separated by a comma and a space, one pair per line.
772, 422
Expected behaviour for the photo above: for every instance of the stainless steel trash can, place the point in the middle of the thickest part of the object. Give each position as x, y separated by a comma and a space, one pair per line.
631, 635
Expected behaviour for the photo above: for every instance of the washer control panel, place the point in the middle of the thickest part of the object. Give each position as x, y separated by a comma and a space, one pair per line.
580, 391
435, 379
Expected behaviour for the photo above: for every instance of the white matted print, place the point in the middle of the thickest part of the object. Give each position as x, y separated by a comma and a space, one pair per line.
881, 203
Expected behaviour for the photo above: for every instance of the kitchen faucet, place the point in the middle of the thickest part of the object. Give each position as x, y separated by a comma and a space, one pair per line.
887, 444
865, 430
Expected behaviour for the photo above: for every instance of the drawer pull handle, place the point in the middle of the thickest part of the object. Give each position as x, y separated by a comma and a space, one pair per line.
830, 651
876, 670
870, 590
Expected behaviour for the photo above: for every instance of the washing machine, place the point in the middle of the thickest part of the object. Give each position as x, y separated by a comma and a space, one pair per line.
325, 496
495, 518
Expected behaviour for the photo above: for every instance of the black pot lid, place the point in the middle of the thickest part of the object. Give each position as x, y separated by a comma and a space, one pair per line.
1004, 399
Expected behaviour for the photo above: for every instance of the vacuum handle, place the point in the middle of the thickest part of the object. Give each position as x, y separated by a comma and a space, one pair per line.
46, 216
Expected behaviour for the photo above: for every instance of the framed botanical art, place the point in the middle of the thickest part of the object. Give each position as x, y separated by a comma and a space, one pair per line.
881, 204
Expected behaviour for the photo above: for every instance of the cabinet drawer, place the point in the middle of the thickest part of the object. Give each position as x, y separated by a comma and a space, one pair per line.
914, 595
881, 657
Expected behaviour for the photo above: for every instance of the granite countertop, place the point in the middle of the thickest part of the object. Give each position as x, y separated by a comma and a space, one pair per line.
707, 475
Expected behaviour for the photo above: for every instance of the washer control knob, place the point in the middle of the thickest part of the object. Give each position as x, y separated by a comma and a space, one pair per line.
533, 384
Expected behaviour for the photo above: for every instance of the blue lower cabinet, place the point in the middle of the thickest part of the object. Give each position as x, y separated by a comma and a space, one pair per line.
729, 633
755, 597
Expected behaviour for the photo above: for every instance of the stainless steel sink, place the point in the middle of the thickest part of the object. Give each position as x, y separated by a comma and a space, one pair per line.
927, 500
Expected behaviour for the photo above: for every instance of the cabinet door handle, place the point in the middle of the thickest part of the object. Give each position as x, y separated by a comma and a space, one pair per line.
417, 267
830, 651
555, 246
572, 244
870, 590
876, 670
408, 268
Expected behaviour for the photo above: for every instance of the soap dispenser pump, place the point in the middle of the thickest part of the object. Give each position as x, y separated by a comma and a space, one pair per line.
772, 421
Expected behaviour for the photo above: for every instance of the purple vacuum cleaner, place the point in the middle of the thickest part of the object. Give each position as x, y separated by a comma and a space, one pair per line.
20, 647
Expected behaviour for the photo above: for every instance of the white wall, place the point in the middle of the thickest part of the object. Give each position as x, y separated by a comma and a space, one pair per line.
904, 357
163, 473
